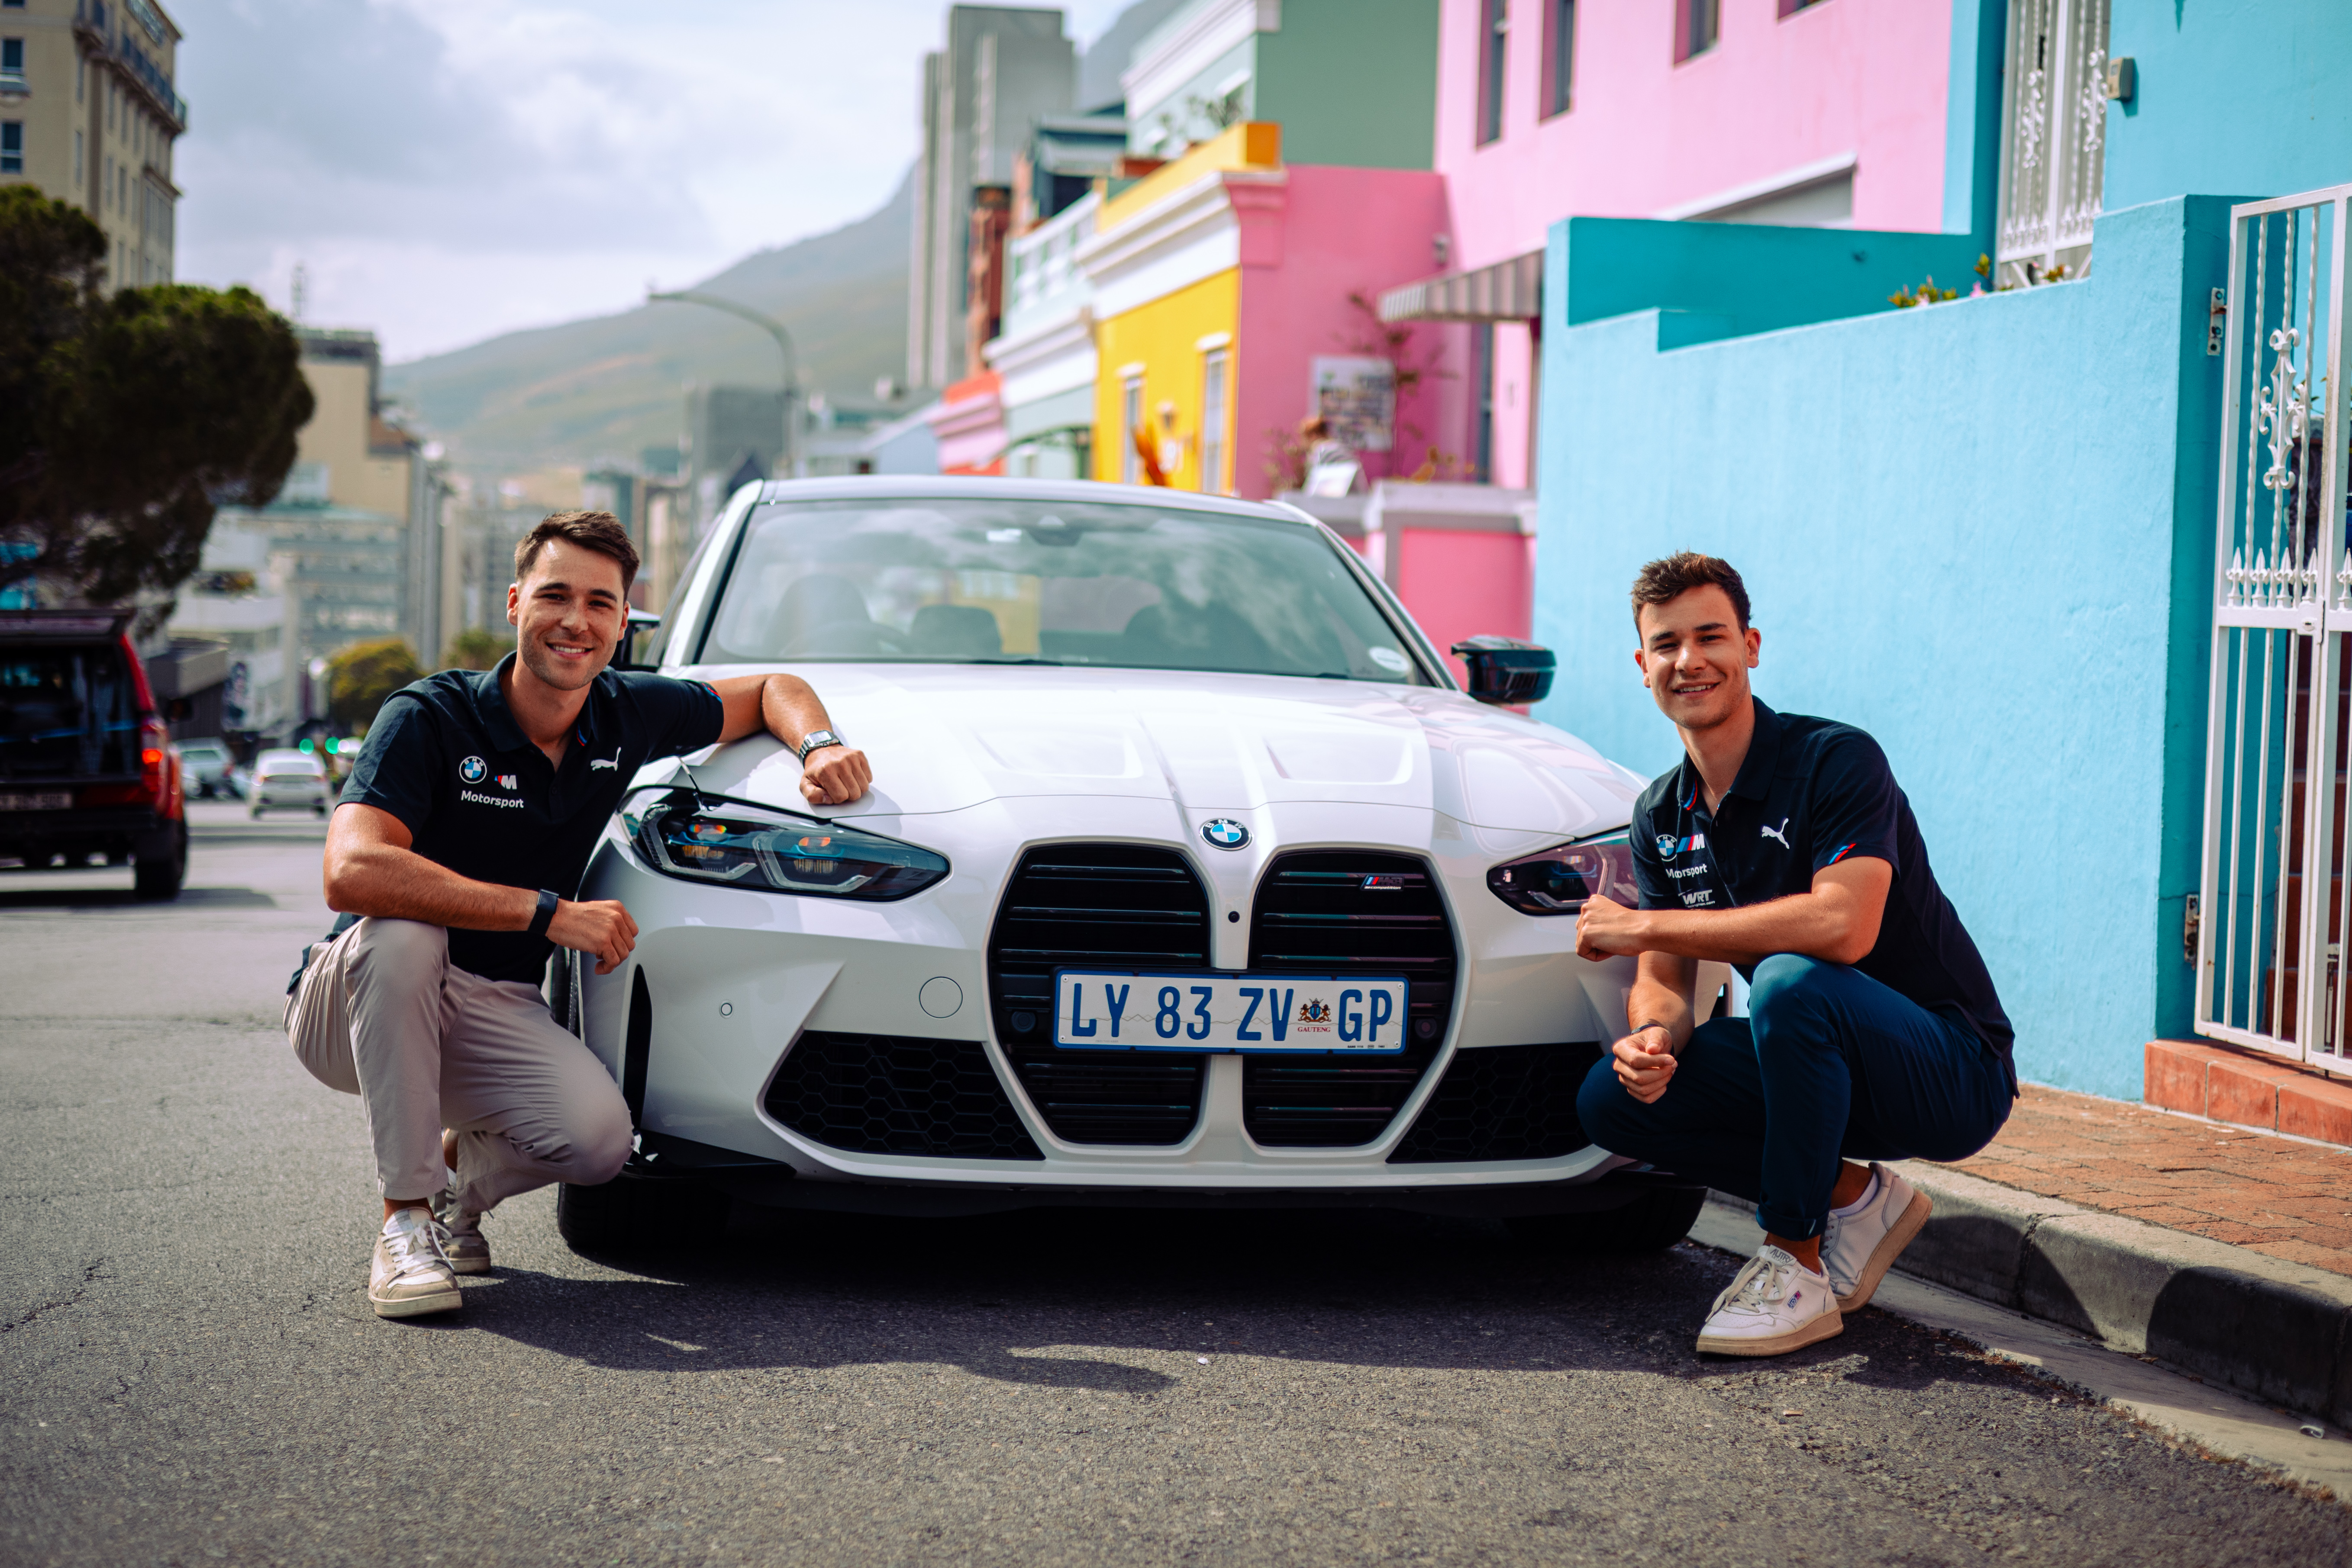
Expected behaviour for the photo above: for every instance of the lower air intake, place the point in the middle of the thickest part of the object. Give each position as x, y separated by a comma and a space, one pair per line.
1503, 1102
895, 1094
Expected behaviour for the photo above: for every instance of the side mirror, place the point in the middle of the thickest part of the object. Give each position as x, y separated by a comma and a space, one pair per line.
642, 624
1505, 671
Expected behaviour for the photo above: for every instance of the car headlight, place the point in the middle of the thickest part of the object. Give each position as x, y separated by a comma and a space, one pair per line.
1558, 881
709, 838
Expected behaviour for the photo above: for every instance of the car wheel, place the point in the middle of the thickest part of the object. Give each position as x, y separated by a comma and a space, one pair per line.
253, 812
1651, 1223
159, 876
629, 1214
320, 810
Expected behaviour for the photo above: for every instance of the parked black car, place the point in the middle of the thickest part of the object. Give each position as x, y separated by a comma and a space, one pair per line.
87, 766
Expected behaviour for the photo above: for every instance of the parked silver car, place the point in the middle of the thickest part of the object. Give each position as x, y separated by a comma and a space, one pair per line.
205, 763
287, 781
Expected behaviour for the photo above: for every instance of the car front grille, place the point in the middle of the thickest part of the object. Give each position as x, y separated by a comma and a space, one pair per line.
1502, 1102
1323, 911
1109, 905
895, 1094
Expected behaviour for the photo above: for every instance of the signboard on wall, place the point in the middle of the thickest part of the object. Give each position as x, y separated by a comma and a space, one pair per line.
1357, 397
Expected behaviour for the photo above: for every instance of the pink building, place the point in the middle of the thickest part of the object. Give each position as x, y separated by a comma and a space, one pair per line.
1831, 113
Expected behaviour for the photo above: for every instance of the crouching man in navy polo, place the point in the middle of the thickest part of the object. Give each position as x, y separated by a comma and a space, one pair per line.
1783, 846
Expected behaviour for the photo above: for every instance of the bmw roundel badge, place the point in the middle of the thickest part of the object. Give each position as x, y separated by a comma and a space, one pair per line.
472, 770
1224, 833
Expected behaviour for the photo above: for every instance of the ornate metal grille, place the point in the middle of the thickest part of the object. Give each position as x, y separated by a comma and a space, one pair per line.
2054, 133
2273, 900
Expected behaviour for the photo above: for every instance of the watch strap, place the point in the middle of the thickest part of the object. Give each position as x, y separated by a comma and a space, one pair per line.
545, 913
816, 740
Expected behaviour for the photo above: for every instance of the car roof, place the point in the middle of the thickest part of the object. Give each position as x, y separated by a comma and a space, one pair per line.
284, 754
928, 487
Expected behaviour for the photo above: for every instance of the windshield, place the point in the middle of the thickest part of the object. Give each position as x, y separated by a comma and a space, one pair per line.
974, 581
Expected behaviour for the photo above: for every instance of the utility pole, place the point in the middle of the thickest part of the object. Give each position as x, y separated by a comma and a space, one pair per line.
775, 330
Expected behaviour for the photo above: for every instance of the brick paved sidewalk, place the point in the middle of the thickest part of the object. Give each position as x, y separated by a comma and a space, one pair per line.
2276, 1196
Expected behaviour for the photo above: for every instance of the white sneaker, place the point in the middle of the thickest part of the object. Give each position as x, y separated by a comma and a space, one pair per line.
1857, 1249
1773, 1306
410, 1275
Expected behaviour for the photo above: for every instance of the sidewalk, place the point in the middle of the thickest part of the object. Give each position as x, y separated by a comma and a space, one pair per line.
2224, 1251
2285, 1199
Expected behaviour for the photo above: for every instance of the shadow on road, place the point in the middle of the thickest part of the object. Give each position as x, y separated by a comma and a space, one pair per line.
1007, 1296
124, 898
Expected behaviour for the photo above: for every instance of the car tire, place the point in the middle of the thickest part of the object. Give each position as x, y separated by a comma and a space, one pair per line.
253, 812
1651, 1223
628, 1214
157, 877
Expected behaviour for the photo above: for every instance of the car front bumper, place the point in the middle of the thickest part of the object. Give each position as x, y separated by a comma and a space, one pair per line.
724, 983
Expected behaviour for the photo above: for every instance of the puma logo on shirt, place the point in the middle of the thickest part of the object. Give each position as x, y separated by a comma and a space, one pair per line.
611, 761
1780, 833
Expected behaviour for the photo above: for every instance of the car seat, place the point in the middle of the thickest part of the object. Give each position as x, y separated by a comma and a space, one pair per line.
956, 631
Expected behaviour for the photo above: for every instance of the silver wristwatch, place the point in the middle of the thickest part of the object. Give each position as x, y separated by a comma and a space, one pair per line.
817, 738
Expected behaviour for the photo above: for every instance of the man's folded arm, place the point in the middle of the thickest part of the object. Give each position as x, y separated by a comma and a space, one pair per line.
371, 871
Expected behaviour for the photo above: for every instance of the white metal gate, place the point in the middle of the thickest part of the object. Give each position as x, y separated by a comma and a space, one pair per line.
2273, 912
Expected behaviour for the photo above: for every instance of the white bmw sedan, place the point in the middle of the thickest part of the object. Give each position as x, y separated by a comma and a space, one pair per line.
1189, 878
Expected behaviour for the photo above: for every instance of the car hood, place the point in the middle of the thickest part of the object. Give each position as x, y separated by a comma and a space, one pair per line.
945, 738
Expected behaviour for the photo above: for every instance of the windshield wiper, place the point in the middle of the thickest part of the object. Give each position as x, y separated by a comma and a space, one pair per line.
1011, 658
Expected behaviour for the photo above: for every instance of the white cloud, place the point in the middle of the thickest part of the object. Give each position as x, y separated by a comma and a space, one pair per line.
446, 172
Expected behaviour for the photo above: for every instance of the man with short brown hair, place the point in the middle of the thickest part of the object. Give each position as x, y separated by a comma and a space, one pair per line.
466, 824
1783, 846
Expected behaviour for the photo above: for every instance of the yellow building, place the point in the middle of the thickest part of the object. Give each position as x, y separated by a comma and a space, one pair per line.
88, 115
1165, 261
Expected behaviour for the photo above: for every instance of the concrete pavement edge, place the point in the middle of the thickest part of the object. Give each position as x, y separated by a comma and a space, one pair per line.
2277, 1331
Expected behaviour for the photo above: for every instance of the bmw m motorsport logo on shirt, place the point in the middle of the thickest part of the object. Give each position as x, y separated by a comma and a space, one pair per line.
1669, 845
472, 770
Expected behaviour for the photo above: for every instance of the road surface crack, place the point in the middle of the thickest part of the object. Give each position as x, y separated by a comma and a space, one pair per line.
89, 1278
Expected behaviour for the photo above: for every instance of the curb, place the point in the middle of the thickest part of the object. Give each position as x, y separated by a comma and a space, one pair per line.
2279, 1332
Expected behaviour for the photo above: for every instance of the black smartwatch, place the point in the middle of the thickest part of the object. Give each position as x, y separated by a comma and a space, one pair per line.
546, 913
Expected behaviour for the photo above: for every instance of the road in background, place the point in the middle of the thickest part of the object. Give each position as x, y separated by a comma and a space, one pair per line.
189, 1372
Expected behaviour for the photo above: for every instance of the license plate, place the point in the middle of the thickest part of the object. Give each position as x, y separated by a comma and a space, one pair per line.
1111, 1010
46, 800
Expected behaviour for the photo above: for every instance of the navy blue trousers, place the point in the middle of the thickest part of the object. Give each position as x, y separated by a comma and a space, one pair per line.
1829, 1063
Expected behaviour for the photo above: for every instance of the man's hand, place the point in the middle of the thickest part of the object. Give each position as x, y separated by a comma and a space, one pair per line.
1645, 1062
836, 775
1606, 928
600, 928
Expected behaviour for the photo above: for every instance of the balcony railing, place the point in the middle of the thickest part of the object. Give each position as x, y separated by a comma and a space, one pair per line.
103, 22
1042, 262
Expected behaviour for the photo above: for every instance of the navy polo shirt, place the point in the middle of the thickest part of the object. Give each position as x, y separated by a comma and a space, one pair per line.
1811, 792
446, 757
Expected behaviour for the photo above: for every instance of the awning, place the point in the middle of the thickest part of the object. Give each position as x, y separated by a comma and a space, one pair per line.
1506, 292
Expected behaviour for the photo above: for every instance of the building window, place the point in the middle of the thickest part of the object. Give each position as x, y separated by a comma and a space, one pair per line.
1212, 421
1493, 32
12, 61
1482, 432
1130, 426
1697, 25
12, 146
77, 161
1559, 56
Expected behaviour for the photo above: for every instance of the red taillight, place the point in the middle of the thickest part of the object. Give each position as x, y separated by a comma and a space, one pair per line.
153, 738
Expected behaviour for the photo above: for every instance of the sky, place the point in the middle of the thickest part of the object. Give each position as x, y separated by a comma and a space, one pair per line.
442, 172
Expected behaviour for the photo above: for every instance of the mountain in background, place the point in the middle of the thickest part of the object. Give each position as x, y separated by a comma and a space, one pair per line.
605, 388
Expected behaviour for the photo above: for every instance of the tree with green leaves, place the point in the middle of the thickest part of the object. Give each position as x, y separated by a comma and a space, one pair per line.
476, 648
359, 678
127, 419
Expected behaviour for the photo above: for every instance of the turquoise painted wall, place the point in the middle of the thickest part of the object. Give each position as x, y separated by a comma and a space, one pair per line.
1972, 119
1980, 531
1353, 82
2235, 95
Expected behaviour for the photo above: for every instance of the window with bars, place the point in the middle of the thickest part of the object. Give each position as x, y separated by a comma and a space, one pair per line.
1212, 421
2053, 136
1494, 17
1559, 56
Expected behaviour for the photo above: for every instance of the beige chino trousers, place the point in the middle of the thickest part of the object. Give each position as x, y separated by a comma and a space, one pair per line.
382, 1014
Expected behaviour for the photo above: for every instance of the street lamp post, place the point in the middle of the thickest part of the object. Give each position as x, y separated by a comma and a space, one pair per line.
775, 330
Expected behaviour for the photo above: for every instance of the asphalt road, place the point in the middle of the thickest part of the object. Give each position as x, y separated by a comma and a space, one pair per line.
189, 1372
